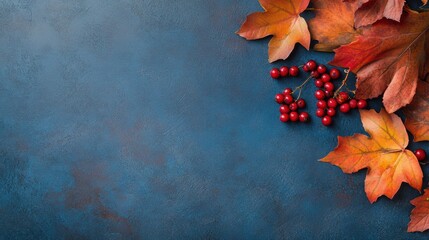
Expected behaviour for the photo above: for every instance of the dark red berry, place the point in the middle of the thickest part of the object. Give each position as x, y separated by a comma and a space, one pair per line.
284, 109
321, 104
319, 94
331, 112
304, 117
345, 108
275, 73
334, 73
319, 83
284, 117
362, 104
332, 103
353, 103
321, 69
315, 74
305, 68
294, 116
294, 71
320, 112
420, 154
301, 103
280, 98
288, 91
311, 65
329, 94
342, 97
288, 99
326, 120
329, 86
325, 77
293, 106
284, 71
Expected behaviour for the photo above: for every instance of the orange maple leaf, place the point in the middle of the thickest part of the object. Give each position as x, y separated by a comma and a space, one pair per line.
383, 153
280, 19
417, 113
389, 57
420, 214
333, 24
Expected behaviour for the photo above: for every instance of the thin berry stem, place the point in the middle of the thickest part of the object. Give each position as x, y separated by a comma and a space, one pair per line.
300, 87
343, 83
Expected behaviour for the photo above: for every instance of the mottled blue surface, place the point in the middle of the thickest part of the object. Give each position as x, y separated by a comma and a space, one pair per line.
151, 119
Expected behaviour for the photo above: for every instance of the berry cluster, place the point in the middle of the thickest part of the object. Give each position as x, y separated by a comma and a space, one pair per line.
328, 97
289, 108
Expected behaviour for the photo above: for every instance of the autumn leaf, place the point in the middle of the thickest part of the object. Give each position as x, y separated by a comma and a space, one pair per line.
333, 24
420, 214
371, 11
417, 113
383, 153
388, 58
281, 20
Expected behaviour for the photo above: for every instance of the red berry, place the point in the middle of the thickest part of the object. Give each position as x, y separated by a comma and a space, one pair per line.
311, 65
329, 94
345, 108
275, 73
321, 104
315, 74
353, 103
294, 71
304, 117
294, 116
284, 117
284, 71
334, 73
288, 91
293, 106
288, 99
329, 86
362, 104
319, 94
318, 83
280, 98
326, 120
321, 69
284, 109
331, 112
325, 77
342, 97
420, 154
301, 103
305, 68
332, 103
320, 112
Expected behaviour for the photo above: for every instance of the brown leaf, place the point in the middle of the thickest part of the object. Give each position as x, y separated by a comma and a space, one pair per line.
420, 214
383, 153
417, 113
280, 19
371, 11
333, 24
388, 58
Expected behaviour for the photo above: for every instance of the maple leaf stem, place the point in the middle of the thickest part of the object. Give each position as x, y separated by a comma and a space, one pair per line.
343, 83
300, 87
310, 9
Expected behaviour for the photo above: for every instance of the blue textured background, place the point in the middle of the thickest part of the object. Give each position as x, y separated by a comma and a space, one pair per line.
151, 119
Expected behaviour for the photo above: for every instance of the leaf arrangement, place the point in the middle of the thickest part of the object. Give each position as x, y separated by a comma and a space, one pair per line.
386, 44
